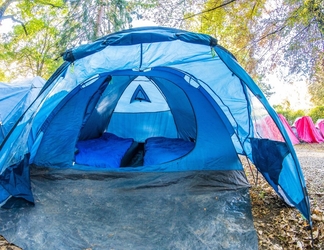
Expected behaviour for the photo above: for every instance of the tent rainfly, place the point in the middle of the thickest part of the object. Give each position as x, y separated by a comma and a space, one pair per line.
176, 97
15, 98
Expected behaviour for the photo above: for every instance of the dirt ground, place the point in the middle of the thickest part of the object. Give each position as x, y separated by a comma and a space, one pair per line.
282, 227
278, 226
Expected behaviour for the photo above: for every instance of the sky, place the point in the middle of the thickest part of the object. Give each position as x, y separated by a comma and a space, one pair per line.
297, 93
5, 26
141, 23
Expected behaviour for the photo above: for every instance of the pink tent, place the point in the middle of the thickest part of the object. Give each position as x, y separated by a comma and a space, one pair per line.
306, 130
320, 126
290, 132
267, 128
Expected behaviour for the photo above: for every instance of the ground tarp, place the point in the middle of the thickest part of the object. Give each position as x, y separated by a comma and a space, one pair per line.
184, 210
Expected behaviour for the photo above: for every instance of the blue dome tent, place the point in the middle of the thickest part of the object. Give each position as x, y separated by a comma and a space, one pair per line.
152, 87
15, 98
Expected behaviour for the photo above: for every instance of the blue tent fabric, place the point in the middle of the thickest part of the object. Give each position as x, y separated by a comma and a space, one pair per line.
15, 98
15, 181
123, 38
270, 159
52, 151
197, 92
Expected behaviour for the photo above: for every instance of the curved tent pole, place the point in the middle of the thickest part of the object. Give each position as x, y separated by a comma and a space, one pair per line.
233, 65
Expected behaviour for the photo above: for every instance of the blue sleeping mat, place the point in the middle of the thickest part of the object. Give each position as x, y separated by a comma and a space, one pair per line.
106, 151
161, 149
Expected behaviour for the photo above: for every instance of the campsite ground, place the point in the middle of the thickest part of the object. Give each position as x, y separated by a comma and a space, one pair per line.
278, 226
281, 227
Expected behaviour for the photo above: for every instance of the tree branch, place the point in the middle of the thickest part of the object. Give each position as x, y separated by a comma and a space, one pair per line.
4, 6
205, 11
15, 20
50, 4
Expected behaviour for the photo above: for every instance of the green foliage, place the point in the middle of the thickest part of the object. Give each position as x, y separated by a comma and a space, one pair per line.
3, 76
317, 113
232, 25
48, 28
268, 35
296, 41
262, 34
166, 13
266, 88
288, 113
291, 115
317, 92
87, 20
316, 87
30, 50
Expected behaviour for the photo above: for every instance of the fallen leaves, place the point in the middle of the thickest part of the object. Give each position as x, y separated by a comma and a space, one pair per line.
317, 215
5, 245
281, 227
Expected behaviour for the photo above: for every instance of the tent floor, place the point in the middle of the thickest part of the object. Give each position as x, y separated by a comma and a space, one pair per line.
81, 210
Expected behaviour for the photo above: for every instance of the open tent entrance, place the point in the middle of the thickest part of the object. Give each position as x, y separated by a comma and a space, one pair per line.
144, 110
161, 116
169, 118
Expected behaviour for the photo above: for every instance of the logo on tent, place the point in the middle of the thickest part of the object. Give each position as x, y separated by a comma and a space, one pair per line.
140, 95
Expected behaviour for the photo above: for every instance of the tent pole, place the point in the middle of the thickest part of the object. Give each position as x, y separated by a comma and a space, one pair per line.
311, 233
254, 178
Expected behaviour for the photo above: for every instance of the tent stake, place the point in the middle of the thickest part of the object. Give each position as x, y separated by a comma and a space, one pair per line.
311, 232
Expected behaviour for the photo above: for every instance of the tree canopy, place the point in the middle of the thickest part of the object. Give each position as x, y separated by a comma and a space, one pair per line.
30, 48
232, 24
266, 36
87, 20
45, 29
